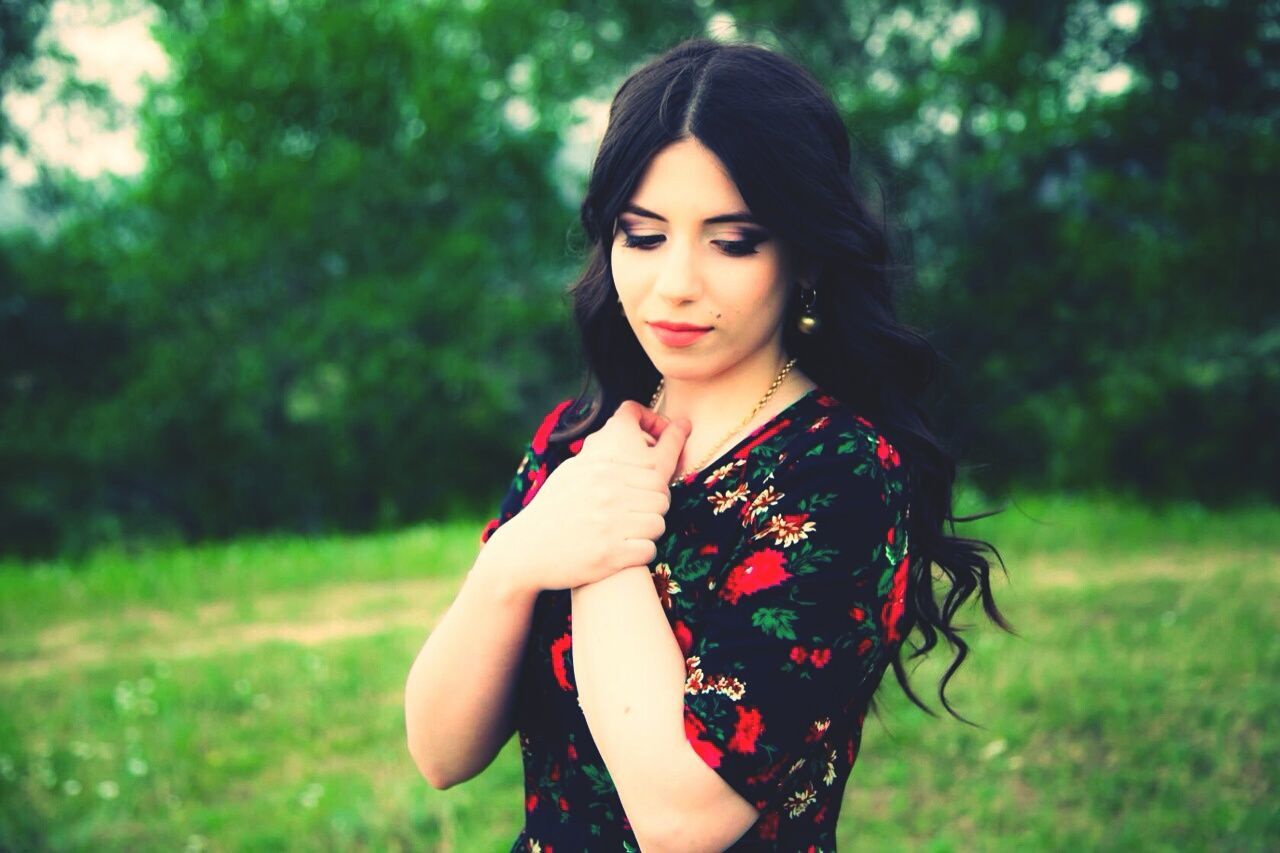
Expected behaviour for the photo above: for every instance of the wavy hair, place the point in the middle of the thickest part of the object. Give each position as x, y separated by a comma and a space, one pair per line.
787, 150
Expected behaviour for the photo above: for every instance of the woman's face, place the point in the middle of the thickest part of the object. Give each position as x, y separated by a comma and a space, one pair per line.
672, 264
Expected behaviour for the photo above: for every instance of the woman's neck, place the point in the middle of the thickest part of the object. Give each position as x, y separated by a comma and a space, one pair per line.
714, 416
714, 407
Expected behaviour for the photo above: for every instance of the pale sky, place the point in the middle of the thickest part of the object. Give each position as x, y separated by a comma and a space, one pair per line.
111, 49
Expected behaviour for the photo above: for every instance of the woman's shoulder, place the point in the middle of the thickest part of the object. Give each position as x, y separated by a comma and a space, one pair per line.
543, 445
834, 416
549, 423
838, 446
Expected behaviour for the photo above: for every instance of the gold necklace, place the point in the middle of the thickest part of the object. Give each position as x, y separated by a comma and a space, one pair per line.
657, 394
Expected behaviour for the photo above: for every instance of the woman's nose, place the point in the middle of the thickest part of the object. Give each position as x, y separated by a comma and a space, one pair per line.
679, 277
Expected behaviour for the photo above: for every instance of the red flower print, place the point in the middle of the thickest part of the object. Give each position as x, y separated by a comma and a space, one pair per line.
684, 637
547, 426
894, 607
573, 752
866, 423
820, 814
663, 583
888, 456
742, 452
787, 530
576, 446
858, 613
554, 775
537, 476
864, 646
820, 657
559, 647
769, 774
710, 548
488, 530
890, 537
760, 570
694, 677
693, 731
564, 804
798, 654
767, 828
748, 728
531, 803
817, 729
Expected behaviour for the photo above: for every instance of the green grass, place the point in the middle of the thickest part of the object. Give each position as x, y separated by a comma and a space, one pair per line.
248, 696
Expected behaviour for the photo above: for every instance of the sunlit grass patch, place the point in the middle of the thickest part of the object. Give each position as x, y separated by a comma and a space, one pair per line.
250, 696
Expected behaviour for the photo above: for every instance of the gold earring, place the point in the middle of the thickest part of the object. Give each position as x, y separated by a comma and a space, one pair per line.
808, 322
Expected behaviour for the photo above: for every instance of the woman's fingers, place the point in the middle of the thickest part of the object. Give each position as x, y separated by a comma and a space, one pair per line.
670, 443
642, 461
641, 475
645, 499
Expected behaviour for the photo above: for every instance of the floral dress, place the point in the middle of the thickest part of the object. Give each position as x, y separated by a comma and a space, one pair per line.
782, 572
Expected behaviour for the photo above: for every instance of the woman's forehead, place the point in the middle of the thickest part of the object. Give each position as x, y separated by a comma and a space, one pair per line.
687, 179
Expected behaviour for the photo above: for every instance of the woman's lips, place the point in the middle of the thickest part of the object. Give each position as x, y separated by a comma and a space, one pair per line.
677, 337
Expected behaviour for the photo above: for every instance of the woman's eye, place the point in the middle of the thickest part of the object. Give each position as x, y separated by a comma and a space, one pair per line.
736, 248
632, 241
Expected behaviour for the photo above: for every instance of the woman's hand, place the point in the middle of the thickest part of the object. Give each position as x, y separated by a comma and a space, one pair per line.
600, 511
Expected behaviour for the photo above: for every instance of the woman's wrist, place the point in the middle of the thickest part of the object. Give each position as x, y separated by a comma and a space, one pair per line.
498, 573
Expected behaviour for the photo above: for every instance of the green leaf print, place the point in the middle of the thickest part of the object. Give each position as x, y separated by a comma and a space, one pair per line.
850, 445
813, 502
886, 582
688, 567
775, 621
806, 557
601, 781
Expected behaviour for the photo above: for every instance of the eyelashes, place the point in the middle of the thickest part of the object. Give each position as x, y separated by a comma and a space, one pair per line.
734, 248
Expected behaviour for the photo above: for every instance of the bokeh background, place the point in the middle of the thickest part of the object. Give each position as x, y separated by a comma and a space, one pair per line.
282, 296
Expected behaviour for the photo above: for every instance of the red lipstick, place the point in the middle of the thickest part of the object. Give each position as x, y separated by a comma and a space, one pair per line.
678, 334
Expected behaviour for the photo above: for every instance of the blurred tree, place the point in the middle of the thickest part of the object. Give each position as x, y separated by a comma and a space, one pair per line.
342, 271
335, 297
20, 26
1097, 184
55, 359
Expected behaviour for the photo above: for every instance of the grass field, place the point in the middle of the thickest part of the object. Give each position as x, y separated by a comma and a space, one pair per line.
248, 696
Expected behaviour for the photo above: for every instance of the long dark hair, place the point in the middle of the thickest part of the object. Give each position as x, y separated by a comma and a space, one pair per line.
787, 150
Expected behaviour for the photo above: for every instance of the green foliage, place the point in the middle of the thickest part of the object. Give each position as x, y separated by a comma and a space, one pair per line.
335, 298
20, 27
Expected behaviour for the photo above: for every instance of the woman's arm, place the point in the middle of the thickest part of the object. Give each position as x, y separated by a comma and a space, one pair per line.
459, 694
631, 676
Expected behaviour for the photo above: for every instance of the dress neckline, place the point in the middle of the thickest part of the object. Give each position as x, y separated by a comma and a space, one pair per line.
789, 409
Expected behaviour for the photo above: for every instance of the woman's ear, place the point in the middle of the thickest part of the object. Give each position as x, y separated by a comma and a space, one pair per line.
808, 274
801, 272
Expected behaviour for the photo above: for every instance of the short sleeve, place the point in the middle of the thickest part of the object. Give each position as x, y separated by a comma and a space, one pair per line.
530, 474
796, 629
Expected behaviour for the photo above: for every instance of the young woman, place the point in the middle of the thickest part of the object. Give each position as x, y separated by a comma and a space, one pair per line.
703, 568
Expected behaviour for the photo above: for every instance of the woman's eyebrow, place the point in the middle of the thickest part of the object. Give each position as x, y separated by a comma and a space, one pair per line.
737, 216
